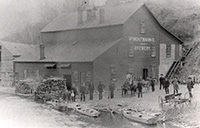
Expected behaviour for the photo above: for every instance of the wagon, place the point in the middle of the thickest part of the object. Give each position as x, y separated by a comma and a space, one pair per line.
177, 101
173, 104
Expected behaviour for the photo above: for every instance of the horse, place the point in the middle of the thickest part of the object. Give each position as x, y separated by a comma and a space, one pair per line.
133, 89
125, 88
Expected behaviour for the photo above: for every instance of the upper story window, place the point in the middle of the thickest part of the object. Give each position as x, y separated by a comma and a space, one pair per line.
142, 26
168, 50
0, 53
153, 50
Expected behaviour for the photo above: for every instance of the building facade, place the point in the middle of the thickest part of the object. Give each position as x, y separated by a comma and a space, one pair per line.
9, 51
100, 44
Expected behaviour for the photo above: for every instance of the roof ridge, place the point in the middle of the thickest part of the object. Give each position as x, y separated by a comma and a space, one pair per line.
113, 16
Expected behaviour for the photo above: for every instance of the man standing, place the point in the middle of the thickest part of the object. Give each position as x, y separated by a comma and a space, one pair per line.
139, 87
83, 91
91, 90
175, 85
152, 84
190, 85
112, 88
74, 89
161, 79
166, 86
100, 89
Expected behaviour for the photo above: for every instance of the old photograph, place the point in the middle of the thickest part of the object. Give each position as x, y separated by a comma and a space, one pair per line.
100, 64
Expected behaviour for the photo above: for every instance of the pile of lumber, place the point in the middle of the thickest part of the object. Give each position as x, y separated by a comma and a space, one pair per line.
50, 88
26, 86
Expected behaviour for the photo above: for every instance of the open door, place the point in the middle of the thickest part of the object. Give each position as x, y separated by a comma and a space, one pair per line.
68, 79
145, 73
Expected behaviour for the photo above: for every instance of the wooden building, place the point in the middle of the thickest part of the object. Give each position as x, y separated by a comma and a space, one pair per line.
99, 44
9, 51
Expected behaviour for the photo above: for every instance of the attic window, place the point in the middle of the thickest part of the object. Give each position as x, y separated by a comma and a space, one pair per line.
142, 26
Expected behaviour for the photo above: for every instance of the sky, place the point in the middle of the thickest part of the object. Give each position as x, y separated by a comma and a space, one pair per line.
9, 10
10, 22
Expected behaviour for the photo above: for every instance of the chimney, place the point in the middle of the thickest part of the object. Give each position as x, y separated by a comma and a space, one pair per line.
84, 4
101, 15
80, 16
42, 52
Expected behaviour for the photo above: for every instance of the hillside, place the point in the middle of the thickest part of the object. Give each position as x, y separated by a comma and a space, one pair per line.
27, 17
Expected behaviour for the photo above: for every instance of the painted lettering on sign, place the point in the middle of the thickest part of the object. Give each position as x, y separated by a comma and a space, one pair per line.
141, 39
142, 48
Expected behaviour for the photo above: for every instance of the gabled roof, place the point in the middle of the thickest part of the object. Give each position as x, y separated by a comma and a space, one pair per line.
21, 50
181, 42
113, 16
82, 51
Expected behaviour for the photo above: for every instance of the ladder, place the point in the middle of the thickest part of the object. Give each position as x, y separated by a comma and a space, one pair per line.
173, 68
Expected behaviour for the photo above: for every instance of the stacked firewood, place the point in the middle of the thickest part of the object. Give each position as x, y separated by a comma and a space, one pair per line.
51, 88
26, 86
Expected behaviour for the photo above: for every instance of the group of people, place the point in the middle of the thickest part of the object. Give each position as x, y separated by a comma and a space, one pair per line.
165, 83
71, 91
135, 85
132, 84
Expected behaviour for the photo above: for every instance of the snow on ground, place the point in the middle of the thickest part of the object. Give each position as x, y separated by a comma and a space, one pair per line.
190, 118
16, 112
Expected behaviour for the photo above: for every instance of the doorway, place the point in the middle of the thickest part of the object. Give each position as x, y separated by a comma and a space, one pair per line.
145, 73
68, 79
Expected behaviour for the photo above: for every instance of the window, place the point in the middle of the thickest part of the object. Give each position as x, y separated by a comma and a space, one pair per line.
25, 74
168, 50
83, 77
142, 26
0, 53
131, 50
153, 50
88, 76
180, 50
75, 76
153, 68
113, 72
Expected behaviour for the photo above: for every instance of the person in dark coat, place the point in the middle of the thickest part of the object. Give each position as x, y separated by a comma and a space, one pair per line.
139, 87
166, 86
91, 89
125, 87
175, 84
65, 95
133, 87
190, 85
162, 80
100, 90
152, 84
112, 88
82, 91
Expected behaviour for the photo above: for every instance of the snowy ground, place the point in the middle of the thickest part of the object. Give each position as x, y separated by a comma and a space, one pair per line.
17, 112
